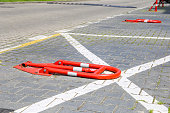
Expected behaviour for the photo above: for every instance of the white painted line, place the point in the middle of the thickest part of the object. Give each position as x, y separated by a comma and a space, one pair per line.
89, 55
9, 48
110, 17
141, 96
146, 66
116, 36
80, 26
38, 37
26, 44
63, 31
78, 91
133, 90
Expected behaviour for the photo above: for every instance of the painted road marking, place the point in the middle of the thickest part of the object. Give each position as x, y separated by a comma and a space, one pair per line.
38, 37
141, 96
116, 36
85, 52
133, 89
63, 30
26, 44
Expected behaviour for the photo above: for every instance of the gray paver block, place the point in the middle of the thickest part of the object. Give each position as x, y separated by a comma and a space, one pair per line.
4, 103
30, 91
122, 109
67, 107
17, 105
49, 94
10, 97
114, 101
98, 108
90, 98
27, 84
49, 87
31, 86
155, 83
5, 88
102, 93
31, 99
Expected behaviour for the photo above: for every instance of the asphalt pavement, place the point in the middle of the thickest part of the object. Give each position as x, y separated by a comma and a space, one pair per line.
19, 22
140, 50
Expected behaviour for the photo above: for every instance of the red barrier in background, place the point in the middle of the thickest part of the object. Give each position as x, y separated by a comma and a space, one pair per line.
156, 5
143, 20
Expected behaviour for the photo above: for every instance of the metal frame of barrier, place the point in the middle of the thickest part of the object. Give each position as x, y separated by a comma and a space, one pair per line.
79, 69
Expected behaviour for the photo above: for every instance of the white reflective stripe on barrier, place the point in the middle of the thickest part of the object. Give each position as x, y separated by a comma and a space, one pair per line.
72, 74
146, 21
77, 69
156, 5
84, 65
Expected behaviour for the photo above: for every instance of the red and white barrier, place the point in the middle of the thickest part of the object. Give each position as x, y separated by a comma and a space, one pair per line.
156, 5
161, 2
143, 20
86, 70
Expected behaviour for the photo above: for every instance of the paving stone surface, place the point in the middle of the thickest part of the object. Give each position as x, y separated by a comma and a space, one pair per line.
19, 89
155, 82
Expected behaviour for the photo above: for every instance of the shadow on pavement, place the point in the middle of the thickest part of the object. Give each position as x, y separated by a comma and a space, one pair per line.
2, 110
167, 9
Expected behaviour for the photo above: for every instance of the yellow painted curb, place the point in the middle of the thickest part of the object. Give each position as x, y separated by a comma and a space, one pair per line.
28, 43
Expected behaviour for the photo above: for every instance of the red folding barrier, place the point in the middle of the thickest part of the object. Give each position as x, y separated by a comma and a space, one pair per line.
156, 4
86, 70
161, 2
143, 20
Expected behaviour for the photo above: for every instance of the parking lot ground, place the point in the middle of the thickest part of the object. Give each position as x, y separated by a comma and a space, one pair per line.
110, 41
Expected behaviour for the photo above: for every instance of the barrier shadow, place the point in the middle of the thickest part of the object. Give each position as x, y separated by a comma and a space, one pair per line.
167, 9
2, 110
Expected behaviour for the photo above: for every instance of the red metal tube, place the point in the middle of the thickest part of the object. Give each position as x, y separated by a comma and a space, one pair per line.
93, 71
53, 65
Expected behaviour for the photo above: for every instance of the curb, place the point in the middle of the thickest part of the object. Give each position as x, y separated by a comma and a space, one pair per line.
22, 2
73, 2
90, 4
48, 2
